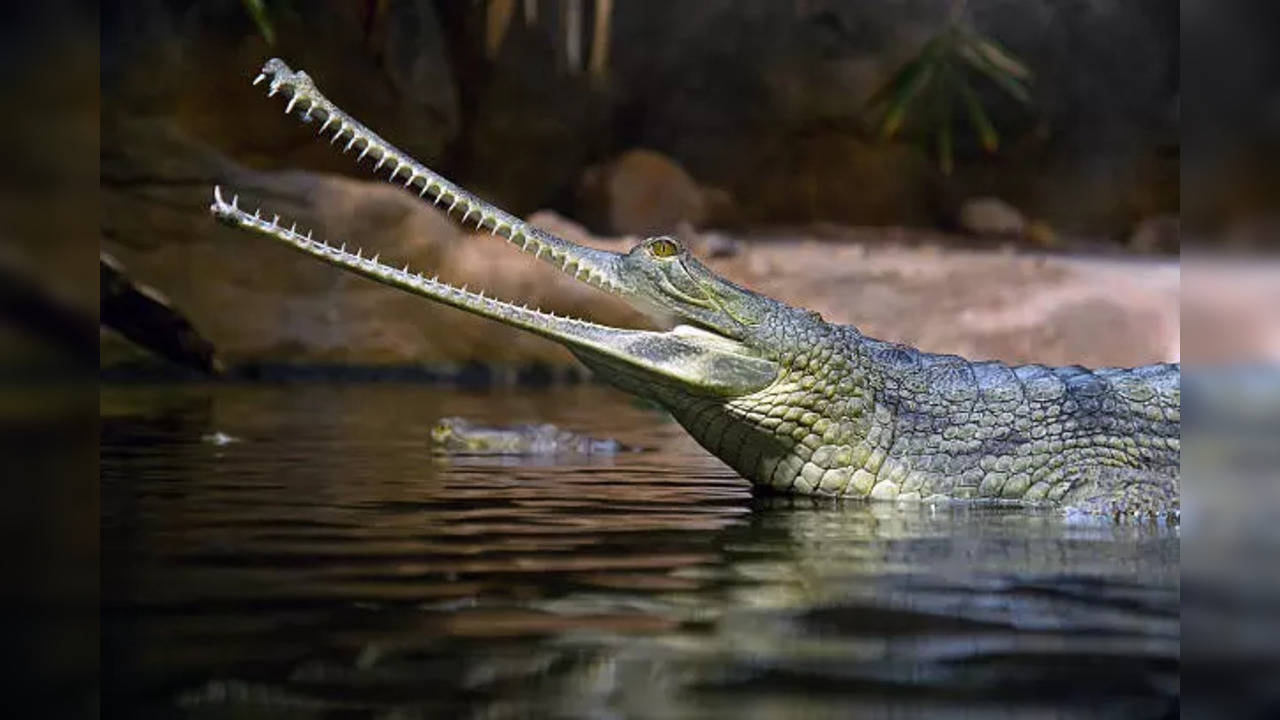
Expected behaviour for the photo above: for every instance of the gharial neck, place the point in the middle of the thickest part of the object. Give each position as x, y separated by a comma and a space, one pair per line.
851, 415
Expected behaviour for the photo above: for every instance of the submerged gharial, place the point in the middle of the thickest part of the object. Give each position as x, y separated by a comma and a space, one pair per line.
789, 401
459, 436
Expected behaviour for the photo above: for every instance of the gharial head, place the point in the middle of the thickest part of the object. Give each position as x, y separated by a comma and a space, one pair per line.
664, 280
711, 347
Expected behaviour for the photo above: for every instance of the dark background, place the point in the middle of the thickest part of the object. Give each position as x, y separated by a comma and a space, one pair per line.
763, 99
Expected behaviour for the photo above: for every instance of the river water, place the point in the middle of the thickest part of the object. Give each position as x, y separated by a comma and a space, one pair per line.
296, 551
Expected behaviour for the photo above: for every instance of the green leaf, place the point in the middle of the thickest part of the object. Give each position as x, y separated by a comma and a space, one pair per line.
258, 12
905, 92
999, 57
978, 117
1007, 81
903, 76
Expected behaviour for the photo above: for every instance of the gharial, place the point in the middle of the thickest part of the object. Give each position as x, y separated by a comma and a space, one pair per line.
459, 436
792, 402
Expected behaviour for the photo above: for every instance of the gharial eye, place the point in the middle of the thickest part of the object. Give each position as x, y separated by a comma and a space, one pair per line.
663, 247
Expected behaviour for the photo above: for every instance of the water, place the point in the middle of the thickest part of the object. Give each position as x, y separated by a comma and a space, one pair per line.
296, 551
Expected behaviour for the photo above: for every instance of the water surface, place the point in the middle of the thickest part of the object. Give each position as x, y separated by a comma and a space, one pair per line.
296, 551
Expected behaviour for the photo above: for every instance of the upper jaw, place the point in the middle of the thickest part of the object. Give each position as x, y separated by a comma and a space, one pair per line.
598, 268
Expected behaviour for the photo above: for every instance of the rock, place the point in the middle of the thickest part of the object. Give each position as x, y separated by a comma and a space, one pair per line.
641, 192
1042, 235
722, 208
146, 317
706, 245
260, 302
1158, 234
991, 217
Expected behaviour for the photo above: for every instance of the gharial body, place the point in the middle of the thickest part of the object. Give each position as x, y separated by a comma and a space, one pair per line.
792, 402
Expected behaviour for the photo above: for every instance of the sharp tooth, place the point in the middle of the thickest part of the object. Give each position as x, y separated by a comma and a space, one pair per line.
352, 142
256, 215
310, 240
381, 160
435, 278
293, 228
396, 171
375, 259
337, 135
274, 89
292, 101
260, 78
325, 126
235, 199
423, 191
412, 177
358, 250
274, 219
363, 152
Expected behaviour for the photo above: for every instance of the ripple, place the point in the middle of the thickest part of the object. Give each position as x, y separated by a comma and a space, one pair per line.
326, 563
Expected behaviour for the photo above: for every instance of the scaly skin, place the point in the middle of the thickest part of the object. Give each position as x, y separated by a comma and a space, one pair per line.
794, 403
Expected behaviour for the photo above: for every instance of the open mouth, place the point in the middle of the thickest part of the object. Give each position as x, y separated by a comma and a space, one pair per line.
699, 360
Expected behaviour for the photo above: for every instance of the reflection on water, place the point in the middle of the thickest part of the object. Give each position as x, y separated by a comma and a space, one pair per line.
324, 563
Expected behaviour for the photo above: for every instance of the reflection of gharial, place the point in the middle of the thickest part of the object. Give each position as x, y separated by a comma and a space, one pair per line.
459, 436
790, 401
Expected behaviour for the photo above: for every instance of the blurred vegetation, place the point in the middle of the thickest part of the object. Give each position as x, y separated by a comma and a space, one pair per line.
924, 91
860, 113
928, 87
498, 15
258, 12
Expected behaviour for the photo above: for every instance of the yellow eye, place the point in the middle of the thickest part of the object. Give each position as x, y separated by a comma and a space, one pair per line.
663, 247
